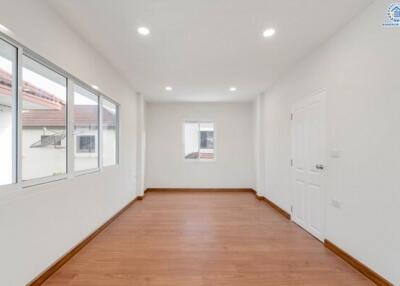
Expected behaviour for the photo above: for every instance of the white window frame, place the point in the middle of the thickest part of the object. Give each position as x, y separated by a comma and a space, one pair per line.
117, 132
71, 158
70, 144
22, 51
215, 140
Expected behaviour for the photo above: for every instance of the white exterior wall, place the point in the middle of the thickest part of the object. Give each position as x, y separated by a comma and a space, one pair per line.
40, 162
86, 161
40, 224
359, 70
165, 164
109, 151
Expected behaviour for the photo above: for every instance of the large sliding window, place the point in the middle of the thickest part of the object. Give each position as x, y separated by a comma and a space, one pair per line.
110, 133
8, 54
44, 121
86, 131
39, 143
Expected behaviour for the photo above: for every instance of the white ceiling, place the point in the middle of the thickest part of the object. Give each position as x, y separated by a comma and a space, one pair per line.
202, 47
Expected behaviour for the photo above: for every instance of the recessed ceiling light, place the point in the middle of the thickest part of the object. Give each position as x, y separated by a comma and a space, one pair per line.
143, 31
269, 32
95, 87
168, 88
232, 88
5, 30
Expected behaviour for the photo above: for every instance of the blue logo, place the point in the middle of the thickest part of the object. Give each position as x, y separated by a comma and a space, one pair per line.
393, 15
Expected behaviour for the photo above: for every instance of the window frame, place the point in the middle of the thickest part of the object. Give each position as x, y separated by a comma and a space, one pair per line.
117, 132
71, 81
33, 56
215, 140
72, 131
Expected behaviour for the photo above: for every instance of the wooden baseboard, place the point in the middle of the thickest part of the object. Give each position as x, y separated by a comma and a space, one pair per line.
198, 190
273, 205
369, 273
64, 259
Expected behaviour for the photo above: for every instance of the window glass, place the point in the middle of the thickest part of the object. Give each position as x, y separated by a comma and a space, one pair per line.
191, 140
206, 140
44, 133
7, 111
110, 133
199, 140
86, 144
86, 118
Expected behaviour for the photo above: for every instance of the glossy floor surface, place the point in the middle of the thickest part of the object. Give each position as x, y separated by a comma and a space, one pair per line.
204, 238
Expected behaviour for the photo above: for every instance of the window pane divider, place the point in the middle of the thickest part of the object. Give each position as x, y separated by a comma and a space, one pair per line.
70, 128
18, 116
100, 137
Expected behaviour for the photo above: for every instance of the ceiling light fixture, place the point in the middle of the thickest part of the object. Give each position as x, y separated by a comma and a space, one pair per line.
95, 87
168, 88
232, 89
5, 30
144, 31
269, 32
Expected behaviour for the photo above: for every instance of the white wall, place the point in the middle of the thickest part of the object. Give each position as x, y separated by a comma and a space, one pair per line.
40, 224
359, 68
165, 165
259, 156
141, 145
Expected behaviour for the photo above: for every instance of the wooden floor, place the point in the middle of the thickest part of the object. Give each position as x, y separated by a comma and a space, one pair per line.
204, 238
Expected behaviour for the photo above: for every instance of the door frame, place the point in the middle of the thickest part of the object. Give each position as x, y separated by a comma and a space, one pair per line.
322, 96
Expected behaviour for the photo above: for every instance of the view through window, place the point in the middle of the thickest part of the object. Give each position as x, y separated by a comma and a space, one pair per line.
86, 131
44, 101
199, 139
7, 111
33, 122
110, 133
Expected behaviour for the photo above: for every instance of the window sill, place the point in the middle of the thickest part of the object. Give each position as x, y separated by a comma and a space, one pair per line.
200, 160
85, 172
42, 181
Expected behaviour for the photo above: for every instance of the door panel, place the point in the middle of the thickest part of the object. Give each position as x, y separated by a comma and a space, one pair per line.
308, 149
300, 192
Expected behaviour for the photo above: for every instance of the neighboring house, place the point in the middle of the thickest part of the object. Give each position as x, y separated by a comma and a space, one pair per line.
44, 132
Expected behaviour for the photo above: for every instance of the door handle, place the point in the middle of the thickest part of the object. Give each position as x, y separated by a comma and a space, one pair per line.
319, 167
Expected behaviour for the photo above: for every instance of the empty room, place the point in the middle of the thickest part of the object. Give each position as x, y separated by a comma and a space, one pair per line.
199, 142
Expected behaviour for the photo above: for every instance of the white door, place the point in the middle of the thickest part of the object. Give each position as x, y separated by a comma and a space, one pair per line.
308, 164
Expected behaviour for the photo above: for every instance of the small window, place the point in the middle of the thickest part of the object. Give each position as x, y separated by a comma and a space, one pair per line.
110, 133
199, 139
86, 144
